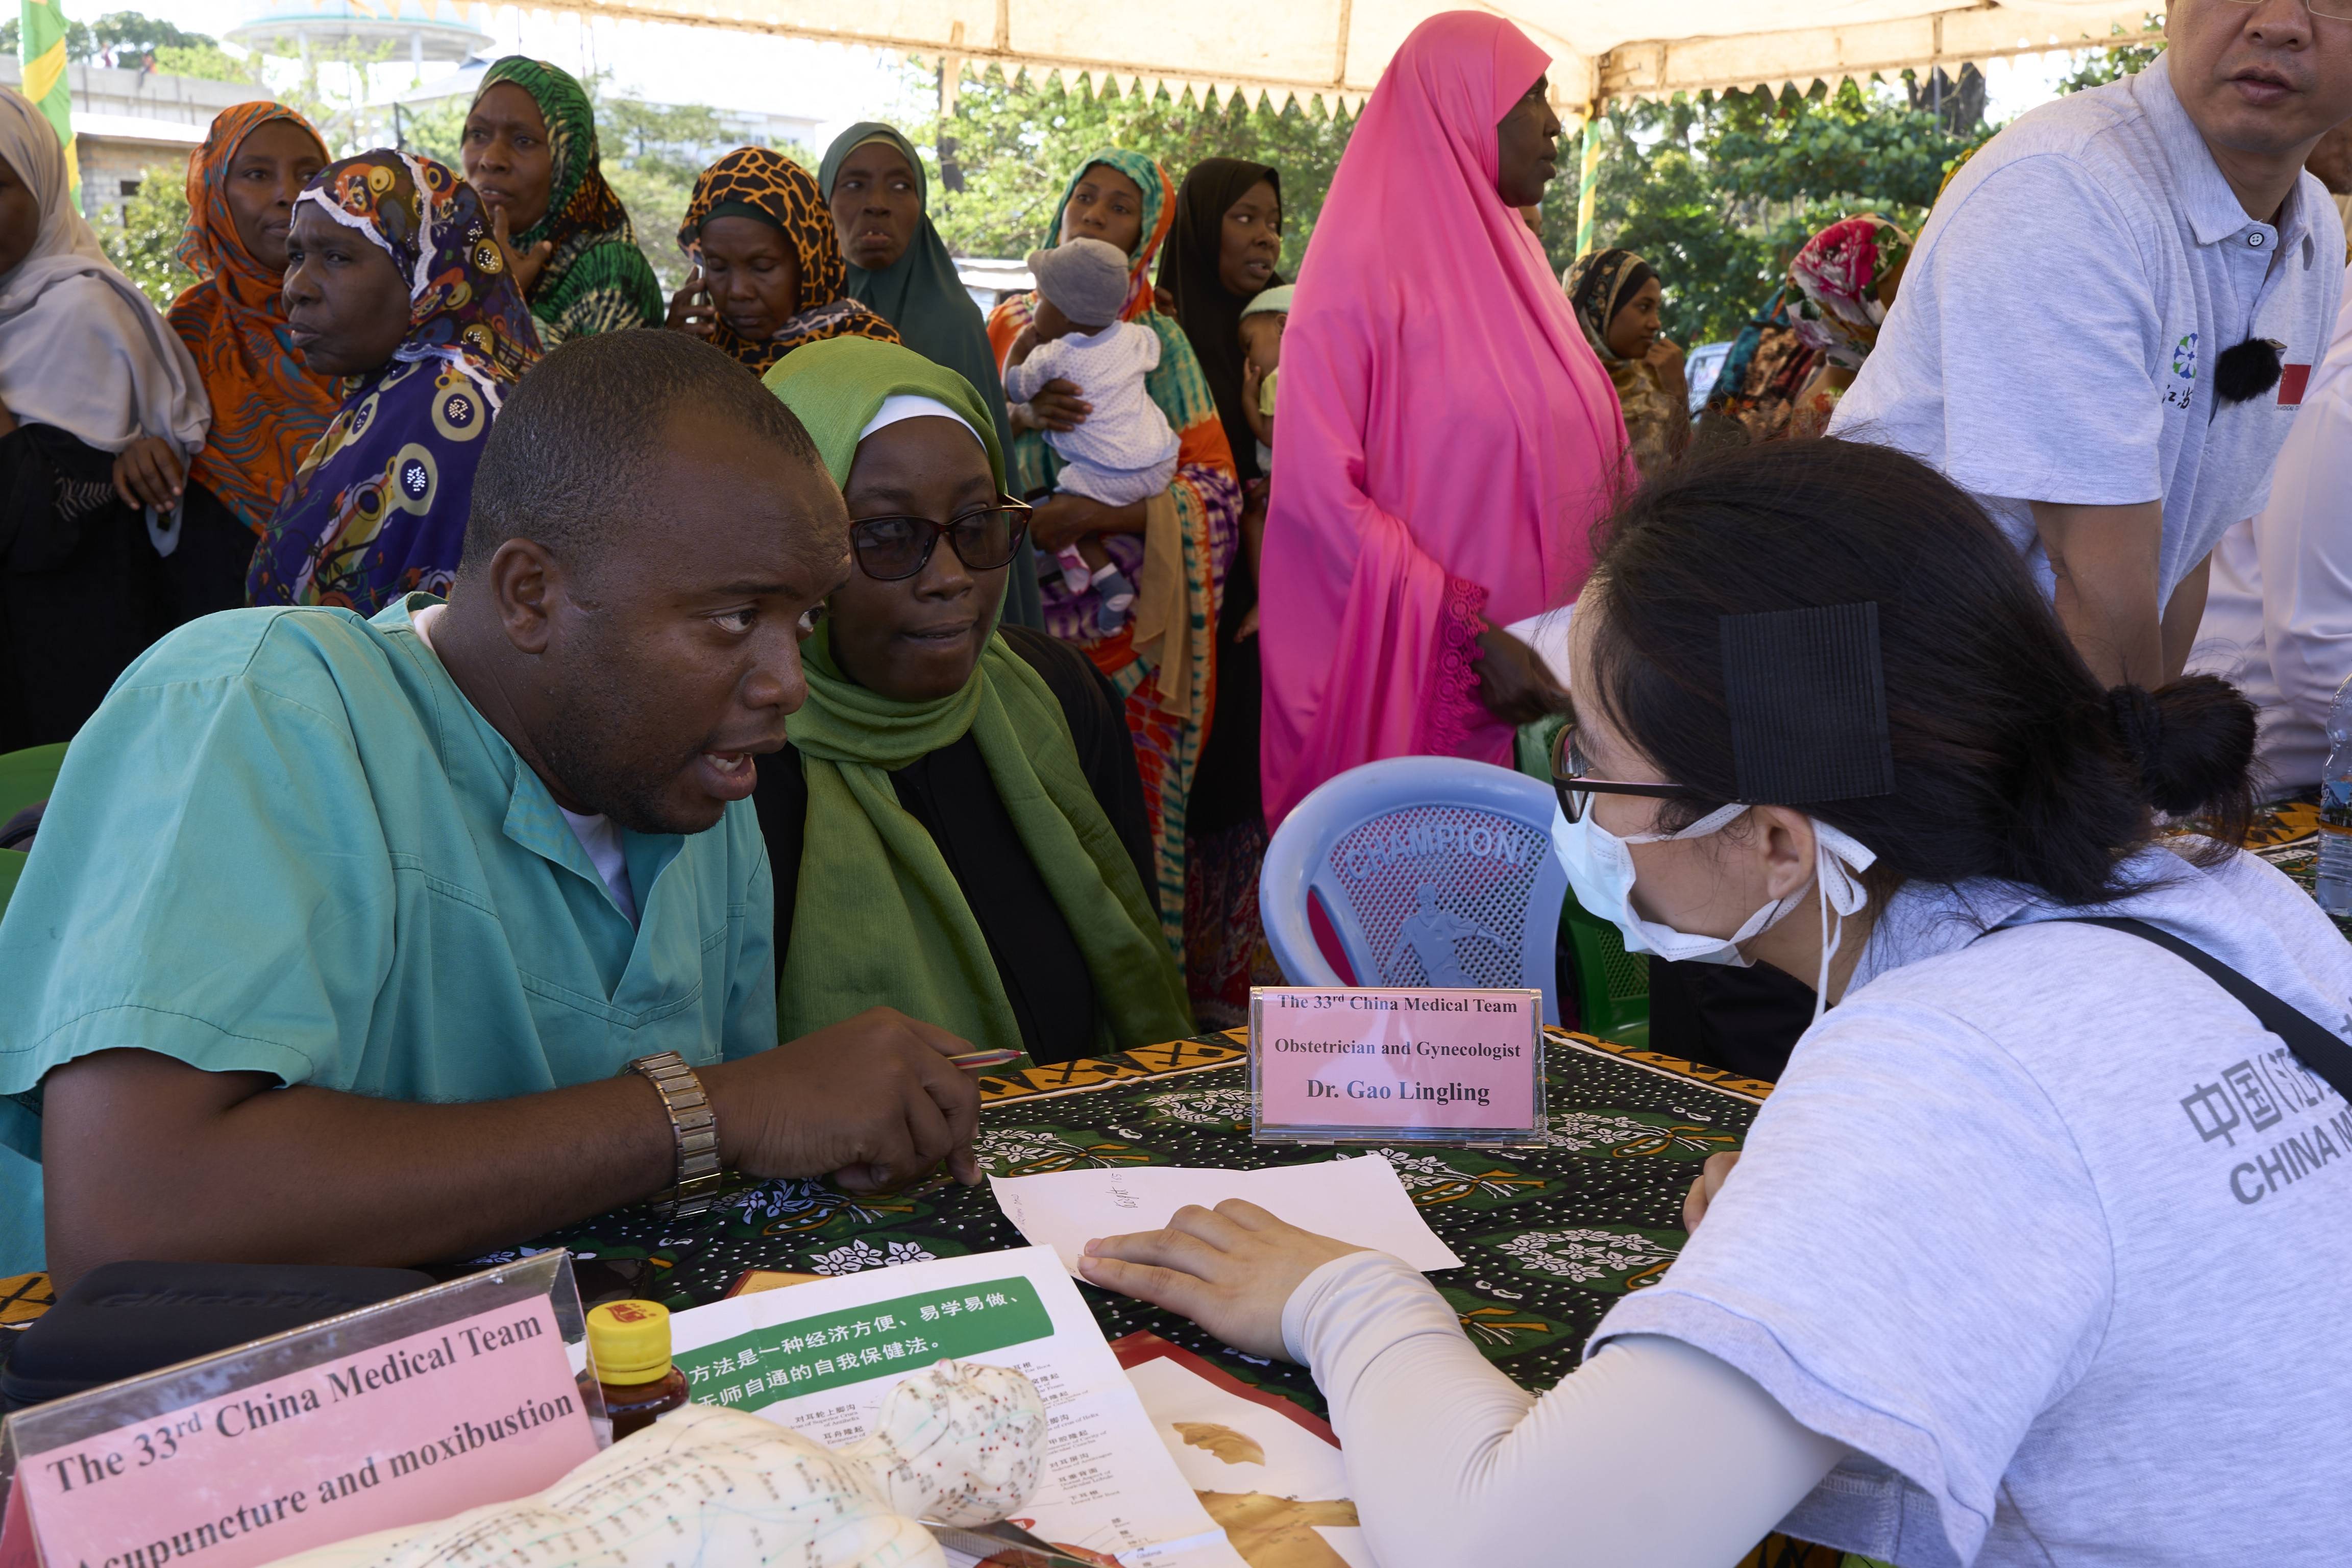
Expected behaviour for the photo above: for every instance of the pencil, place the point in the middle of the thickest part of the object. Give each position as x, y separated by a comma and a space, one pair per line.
977, 1059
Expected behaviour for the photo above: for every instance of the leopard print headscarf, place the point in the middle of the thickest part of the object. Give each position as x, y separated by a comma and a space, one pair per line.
753, 181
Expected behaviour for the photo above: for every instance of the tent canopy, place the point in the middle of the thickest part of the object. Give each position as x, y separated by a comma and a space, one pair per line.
1334, 50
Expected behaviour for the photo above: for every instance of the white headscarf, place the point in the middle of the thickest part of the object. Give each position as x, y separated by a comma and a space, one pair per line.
80, 347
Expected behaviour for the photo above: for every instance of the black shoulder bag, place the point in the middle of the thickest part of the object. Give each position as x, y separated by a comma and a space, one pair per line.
2317, 1047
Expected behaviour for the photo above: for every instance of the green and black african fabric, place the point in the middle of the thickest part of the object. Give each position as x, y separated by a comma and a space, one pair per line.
1551, 1237
597, 280
752, 181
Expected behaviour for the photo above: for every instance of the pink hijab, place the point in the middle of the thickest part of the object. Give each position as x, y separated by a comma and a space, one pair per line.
1446, 436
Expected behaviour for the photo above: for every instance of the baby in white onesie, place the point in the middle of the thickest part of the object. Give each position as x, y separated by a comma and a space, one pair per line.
1125, 450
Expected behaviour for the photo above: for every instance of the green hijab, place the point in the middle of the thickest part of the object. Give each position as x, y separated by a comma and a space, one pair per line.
596, 279
921, 296
881, 919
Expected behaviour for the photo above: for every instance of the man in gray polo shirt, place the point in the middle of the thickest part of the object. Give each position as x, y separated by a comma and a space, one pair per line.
2062, 344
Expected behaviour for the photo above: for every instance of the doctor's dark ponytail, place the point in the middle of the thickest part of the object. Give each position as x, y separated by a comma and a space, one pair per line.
2193, 744
2010, 761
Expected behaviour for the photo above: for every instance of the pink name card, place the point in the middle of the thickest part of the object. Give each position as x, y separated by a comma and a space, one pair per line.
482, 1409
1361, 1065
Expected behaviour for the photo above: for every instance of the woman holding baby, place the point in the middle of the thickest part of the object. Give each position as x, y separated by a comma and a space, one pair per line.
1171, 548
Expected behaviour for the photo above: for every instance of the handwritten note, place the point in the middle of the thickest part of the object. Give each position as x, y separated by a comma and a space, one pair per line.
1428, 1062
476, 1411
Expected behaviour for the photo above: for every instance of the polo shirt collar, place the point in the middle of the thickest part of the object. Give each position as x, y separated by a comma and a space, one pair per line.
2213, 210
531, 819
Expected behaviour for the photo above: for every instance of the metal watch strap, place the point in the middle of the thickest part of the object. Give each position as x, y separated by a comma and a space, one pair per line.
696, 1129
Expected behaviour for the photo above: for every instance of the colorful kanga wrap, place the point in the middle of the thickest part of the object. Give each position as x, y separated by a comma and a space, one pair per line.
267, 407
596, 281
1848, 274
1207, 497
1598, 284
378, 505
752, 181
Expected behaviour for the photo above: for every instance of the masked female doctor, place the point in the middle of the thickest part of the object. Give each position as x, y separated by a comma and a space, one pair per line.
2039, 1252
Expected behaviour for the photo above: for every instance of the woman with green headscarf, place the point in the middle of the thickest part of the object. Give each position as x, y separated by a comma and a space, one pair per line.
873, 182
956, 828
530, 148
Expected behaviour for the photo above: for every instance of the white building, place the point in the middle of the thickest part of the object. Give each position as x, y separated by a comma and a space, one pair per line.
126, 123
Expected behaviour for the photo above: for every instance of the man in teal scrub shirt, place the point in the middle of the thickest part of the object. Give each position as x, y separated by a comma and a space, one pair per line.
338, 932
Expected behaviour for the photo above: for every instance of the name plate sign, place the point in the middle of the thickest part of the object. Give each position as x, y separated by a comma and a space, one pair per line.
1356, 1065
401, 1414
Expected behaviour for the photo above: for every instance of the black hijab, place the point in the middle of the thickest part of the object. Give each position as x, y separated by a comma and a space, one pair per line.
1211, 317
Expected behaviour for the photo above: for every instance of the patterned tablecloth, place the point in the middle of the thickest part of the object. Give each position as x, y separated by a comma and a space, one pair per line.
2287, 836
1551, 1236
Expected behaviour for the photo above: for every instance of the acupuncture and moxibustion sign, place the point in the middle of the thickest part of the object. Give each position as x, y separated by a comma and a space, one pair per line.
1436, 1065
479, 1410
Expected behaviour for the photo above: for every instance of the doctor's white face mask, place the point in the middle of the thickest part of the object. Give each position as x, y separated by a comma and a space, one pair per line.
1600, 867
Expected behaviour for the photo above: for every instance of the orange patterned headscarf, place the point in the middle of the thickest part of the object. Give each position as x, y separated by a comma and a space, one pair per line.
267, 409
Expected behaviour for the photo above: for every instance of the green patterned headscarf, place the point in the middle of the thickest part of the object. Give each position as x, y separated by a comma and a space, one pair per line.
597, 280
881, 919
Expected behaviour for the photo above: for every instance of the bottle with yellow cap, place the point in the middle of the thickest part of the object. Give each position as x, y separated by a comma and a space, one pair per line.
629, 1341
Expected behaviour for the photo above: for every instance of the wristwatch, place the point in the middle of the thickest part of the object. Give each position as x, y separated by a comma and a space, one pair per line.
696, 1129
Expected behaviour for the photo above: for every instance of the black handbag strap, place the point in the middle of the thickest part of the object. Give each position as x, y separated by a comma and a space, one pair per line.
2317, 1046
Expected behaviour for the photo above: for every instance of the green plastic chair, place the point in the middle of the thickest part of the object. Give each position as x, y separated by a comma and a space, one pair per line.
1612, 986
29, 775
26, 776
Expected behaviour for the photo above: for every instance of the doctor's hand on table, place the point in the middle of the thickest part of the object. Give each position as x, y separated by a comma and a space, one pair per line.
1231, 1270
1701, 1196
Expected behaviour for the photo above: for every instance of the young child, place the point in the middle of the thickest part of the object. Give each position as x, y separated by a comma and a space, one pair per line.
1126, 450
1262, 323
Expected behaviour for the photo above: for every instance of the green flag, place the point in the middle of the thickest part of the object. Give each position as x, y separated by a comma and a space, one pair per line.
42, 46
1588, 178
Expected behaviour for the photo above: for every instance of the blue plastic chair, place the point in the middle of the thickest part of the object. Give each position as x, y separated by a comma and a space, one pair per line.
1431, 870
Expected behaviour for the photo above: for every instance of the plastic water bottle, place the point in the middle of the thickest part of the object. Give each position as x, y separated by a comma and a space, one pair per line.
2335, 888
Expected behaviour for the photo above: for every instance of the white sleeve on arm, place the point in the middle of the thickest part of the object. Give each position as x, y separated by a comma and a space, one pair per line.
1022, 380
1451, 1463
2304, 540
2043, 401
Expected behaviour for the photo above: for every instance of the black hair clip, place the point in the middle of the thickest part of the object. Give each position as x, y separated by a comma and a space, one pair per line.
2246, 372
1807, 694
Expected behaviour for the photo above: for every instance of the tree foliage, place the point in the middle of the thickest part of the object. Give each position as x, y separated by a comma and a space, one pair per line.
125, 39
1716, 190
1719, 192
2098, 68
209, 61
1011, 149
144, 244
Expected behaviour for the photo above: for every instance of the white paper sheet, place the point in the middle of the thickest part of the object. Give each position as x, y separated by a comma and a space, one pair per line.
1358, 1199
1547, 635
1110, 1487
